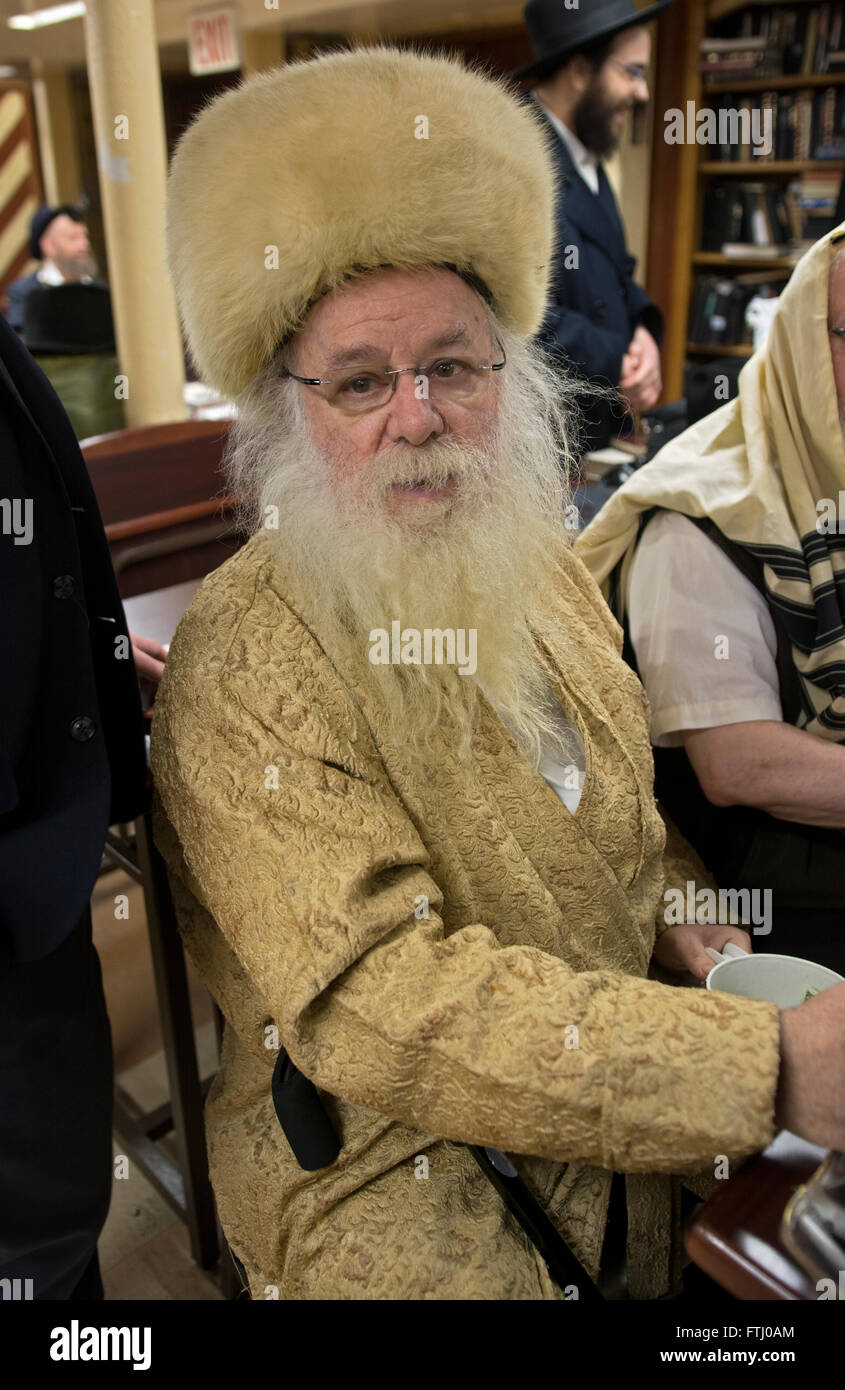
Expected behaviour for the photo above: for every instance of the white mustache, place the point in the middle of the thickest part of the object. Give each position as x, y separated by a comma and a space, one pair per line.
468, 466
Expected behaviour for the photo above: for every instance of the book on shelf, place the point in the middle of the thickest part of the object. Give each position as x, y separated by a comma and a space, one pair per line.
740, 62
746, 215
829, 124
743, 250
717, 317
775, 40
804, 124
811, 205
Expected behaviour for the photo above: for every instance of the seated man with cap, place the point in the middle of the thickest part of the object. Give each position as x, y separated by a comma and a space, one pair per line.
404, 776
58, 238
724, 558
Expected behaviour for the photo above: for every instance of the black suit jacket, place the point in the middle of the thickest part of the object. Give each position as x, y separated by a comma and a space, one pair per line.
594, 304
16, 294
71, 729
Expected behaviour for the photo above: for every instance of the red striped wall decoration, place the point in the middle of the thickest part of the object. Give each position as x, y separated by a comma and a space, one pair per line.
21, 187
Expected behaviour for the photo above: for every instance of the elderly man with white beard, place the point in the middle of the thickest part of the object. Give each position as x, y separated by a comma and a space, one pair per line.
436, 895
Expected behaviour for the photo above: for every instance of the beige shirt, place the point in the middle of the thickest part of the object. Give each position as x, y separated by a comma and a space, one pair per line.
703, 636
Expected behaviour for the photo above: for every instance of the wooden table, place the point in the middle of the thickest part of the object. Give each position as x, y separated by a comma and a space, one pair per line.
157, 614
735, 1236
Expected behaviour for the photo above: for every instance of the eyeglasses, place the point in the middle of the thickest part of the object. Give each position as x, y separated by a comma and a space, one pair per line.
445, 379
638, 72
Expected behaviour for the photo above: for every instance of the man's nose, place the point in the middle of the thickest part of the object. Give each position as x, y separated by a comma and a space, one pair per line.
411, 414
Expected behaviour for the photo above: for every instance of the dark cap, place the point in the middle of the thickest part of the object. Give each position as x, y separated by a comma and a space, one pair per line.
41, 221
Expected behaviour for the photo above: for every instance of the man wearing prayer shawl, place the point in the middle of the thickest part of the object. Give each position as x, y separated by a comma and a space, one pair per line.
724, 558
437, 886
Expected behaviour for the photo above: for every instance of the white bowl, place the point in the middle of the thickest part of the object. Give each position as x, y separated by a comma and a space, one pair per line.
783, 980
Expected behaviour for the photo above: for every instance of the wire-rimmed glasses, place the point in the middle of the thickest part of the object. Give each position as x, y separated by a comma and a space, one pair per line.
444, 379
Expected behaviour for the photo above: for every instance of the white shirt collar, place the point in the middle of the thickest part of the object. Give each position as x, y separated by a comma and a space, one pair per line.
585, 162
49, 274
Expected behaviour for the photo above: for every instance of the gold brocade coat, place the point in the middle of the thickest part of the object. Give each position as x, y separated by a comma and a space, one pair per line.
304, 853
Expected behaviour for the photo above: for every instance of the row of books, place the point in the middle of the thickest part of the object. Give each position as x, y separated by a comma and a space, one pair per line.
780, 125
742, 219
717, 317
812, 203
746, 215
767, 42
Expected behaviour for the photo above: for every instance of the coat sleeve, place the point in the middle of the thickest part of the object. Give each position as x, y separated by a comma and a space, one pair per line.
595, 351
642, 307
681, 865
322, 888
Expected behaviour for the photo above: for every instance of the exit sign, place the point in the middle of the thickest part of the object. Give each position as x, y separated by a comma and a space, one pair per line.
213, 41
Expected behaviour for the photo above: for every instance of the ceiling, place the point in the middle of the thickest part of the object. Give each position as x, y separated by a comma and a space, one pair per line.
64, 44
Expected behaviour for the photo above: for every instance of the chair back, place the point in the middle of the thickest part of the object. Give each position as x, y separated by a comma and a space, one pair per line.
163, 501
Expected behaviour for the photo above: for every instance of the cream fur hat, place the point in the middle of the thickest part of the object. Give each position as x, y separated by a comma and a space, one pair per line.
315, 171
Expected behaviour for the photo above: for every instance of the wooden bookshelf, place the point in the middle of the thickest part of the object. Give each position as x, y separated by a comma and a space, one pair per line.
720, 9
793, 82
763, 262
719, 349
771, 166
681, 174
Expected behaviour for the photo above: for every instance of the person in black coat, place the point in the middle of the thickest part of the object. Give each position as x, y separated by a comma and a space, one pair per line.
590, 70
71, 763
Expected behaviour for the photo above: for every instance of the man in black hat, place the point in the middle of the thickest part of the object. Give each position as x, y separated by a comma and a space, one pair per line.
58, 237
590, 69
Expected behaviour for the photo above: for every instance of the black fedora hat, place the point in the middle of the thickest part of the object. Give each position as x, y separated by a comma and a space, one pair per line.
557, 31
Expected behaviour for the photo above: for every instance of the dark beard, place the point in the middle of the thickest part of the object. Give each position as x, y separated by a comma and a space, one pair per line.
592, 122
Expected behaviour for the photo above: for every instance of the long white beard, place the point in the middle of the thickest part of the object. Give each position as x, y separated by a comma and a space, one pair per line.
481, 562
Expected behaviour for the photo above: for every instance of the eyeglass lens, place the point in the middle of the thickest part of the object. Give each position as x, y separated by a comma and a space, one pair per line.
445, 379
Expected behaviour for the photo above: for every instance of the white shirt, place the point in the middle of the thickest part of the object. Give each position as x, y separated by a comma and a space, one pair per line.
585, 162
565, 777
49, 274
703, 636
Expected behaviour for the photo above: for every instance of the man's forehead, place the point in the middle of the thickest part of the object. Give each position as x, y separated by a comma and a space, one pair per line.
633, 44
63, 223
456, 334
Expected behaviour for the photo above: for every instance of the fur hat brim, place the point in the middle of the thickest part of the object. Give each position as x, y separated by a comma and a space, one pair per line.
313, 172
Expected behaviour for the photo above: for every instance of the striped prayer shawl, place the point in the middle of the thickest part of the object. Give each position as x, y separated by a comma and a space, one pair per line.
769, 471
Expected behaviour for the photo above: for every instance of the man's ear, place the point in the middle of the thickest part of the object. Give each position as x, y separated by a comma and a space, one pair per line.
581, 73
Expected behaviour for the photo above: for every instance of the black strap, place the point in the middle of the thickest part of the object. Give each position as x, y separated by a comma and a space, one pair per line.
564, 1267
302, 1116
315, 1144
